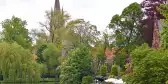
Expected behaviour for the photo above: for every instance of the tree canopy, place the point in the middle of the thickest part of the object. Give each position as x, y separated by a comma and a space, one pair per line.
77, 65
127, 27
16, 62
14, 30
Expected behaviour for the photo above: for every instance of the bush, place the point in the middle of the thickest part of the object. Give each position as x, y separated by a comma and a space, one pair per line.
114, 71
149, 66
103, 70
87, 80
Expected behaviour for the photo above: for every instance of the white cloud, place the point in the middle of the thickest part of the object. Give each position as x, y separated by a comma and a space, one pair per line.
98, 12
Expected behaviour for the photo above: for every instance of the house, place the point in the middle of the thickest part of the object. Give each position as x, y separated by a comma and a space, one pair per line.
109, 54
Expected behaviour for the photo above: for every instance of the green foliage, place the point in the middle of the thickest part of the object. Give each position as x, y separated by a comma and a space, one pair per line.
84, 31
51, 58
87, 80
114, 71
166, 82
77, 65
39, 53
164, 32
149, 66
127, 27
100, 54
16, 62
14, 31
120, 58
103, 70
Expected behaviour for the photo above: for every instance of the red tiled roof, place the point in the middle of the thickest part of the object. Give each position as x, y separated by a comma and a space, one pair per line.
109, 53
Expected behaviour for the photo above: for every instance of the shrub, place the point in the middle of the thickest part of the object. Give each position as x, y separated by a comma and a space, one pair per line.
114, 71
87, 80
103, 70
149, 66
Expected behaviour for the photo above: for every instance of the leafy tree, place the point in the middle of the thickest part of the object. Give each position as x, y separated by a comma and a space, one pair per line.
84, 31
98, 56
77, 65
103, 70
55, 22
127, 27
149, 66
14, 31
40, 53
51, 58
87, 80
120, 58
106, 40
128, 30
17, 63
40, 37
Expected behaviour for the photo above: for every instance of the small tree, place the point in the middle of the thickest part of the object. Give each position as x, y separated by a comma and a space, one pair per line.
103, 70
77, 65
39, 53
114, 71
51, 55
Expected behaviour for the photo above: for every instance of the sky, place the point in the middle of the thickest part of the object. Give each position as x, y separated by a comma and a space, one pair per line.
98, 12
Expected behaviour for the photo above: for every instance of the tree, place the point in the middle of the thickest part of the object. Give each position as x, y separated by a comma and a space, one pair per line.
127, 27
55, 22
149, 66
39, 53
77, 65
17, 63
114, 71
86, 32
51, 58
14, 31
40, 37
103, 70
98, 56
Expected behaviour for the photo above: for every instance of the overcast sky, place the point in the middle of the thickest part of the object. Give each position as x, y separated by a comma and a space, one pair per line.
98, 12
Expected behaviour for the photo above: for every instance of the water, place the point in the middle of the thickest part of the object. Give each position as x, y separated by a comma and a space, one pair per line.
34, 83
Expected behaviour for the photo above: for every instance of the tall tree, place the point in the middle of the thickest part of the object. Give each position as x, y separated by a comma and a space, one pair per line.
55, 21
127, 27
84, 31
14, 30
